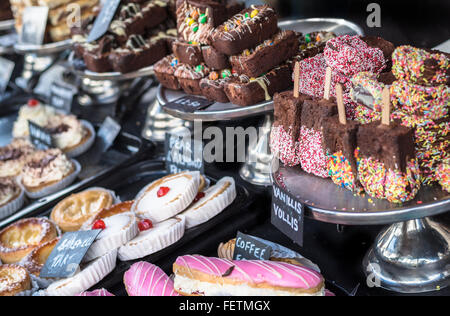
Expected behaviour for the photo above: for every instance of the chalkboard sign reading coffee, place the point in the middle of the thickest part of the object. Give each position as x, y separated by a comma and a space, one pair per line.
189, 104
34, 23
39, 136
104, 19
249, 248
61, 96
183, 153
287, 214
65, 258
7, 68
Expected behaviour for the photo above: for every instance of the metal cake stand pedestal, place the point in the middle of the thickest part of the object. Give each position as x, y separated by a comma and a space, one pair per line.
412, 255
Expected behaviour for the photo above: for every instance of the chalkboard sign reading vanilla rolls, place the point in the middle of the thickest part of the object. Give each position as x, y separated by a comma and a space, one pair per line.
249, 248
67, 255
287, 214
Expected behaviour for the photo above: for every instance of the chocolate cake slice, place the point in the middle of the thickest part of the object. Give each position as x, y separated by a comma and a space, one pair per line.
215, 59
96, 54
165, 72
213, 87
245, 91
188, 53
189, 77
245, 30
267, 55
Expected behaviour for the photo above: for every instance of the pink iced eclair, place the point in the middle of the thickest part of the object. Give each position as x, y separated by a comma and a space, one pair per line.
100, 292
146, 279
202, 276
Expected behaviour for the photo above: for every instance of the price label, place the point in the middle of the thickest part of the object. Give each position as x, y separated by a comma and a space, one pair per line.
7, 68
102, 22
40, 137
107, 133
61, 96
287, 214
183, 153
34, 23
189, 104
68, 253
249, 248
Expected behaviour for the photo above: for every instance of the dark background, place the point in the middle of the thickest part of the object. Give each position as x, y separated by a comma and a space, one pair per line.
419, 23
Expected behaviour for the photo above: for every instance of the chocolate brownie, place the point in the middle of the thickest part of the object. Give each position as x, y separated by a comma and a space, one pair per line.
267, 55
338, 137
189, 77
392, 145
245, 30
214, 59
234, 7
5, 10
188, 53
316, 110
244, 91
196, 19
96, 54
213, 87
138, 53
386, 47
165, 72
288, 111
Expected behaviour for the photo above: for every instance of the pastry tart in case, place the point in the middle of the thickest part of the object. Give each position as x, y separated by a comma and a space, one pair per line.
167, 197
14, 280
37, 258
118, 225
20, 238
72, 212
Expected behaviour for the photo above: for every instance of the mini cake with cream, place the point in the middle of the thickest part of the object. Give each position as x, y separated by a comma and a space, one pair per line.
35, 112
9, 190
14, 156
67, 132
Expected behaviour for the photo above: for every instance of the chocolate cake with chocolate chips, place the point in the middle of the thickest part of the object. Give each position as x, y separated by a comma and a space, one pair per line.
245, 30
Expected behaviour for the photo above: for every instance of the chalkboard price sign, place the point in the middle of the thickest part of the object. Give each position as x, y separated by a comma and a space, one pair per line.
40, 137
287, 214
249, 248
61, 96
189, 104
7, 68
183, 153
65, 258
34, 22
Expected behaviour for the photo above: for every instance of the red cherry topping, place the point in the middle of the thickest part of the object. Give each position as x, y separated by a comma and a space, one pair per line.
33, 102
163, 191
145, 224
200, 195
99, 224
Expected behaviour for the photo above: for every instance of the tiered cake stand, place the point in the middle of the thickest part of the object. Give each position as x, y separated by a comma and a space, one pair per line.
410, 256
257, 168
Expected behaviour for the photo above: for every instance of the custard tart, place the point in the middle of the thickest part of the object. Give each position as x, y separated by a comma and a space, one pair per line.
72, 212
14, 279
37, 258
20, 238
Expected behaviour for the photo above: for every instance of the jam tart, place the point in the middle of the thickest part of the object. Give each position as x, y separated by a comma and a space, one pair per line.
72, 212
20, 238
14, 279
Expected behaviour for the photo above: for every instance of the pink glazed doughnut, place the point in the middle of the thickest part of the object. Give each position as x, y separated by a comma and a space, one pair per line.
146, 279
203, 276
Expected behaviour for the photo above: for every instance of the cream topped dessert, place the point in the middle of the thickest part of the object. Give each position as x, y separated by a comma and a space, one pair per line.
34, 111
14, 156
9, 190
45, 168
67, 131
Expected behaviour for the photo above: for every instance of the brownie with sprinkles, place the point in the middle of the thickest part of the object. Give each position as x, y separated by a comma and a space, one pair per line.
213, 87
391, 145
188, 53
245, 91
215, 59
267, 55
189, 77
245, 30
165, 72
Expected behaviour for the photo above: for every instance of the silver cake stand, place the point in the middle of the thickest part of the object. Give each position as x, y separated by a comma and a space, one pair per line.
7, 25
257, 169
412, 255
103, 87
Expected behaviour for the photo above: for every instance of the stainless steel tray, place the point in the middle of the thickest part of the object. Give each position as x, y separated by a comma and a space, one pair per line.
229, 111
45, 49
112, 76
330, 203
